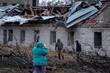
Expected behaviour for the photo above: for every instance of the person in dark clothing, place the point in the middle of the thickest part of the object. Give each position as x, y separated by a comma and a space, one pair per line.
78, 49
58, 48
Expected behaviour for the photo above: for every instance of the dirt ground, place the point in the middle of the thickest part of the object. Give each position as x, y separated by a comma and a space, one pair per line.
87, 64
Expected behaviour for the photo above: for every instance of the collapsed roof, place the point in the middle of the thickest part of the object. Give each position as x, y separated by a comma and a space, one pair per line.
10, 9
11, 14
81, 11
19, 19
78, 12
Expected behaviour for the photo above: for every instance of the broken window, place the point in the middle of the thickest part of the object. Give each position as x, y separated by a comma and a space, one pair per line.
0, 4
97, 39
4, 36
7, 36
10, 35
70, 38
52, 37
34, 3
4, 4
36, 35
22, 36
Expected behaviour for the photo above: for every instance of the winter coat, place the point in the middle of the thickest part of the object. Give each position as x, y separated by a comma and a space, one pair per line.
78, 47
59, 46
39, 53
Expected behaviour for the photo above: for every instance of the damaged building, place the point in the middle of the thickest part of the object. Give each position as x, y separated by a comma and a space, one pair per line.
90, 26
88, 23
25, 30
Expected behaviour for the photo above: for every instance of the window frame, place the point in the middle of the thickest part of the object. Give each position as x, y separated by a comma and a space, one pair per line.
34, 3
36, 35
97, 39
10, 35
22, 36
70, 38
5, 40
52, 37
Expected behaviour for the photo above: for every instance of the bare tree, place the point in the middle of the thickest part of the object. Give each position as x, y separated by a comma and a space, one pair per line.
69, 1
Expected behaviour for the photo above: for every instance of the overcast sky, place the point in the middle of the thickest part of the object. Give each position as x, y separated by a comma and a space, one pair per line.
49, 0
44, 0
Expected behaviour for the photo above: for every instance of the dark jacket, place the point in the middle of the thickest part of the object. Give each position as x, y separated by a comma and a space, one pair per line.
59, 46
78, 47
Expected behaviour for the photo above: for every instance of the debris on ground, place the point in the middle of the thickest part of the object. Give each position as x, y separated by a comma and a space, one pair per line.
22, 64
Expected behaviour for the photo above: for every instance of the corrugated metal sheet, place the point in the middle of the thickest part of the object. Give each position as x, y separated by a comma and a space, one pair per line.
74, 7
2, 14
80, 15
5, 9
9, 7
47, 17
19, 19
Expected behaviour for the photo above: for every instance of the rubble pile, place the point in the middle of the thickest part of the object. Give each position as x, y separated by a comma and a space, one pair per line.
88, 64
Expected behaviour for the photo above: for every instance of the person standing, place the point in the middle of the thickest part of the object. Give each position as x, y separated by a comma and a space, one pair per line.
59, 48
39, 53
78, 50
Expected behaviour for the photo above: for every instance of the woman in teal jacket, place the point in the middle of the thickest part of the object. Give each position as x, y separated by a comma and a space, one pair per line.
39, 53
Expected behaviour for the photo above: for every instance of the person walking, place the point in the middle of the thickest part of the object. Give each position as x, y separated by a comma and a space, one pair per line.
78, 50
59, 48
39, 53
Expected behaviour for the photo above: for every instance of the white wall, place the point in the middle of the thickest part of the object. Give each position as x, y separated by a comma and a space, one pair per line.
86, 38
61, 33
84, 35
106, 41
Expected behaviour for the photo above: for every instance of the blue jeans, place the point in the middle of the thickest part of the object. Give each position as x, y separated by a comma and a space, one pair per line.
39, 69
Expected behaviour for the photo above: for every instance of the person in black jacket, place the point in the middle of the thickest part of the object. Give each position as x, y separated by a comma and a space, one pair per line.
58, 48
78, 49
